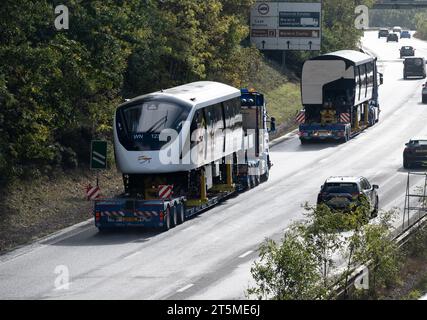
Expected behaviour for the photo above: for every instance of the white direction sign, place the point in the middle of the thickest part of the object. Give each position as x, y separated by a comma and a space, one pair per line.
286, 25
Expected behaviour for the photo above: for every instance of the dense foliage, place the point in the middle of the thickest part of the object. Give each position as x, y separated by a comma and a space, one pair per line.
58, 89
389, 18
421, 23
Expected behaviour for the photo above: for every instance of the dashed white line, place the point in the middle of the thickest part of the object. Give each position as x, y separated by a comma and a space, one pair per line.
246, 254
132, 255
185, 288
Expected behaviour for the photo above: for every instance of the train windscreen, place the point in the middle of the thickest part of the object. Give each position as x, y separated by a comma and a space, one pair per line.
139, 126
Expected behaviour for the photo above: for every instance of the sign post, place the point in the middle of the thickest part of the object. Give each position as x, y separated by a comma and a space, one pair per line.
98, 157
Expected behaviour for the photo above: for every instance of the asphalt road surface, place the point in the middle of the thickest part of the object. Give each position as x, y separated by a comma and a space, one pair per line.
210, 256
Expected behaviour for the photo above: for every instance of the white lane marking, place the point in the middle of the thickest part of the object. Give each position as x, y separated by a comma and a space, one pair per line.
132, 255
185, 288
246, 254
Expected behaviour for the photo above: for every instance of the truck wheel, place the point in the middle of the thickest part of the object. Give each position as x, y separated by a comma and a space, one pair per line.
406, 164
181, 213
265, 176
167, 221
376, 208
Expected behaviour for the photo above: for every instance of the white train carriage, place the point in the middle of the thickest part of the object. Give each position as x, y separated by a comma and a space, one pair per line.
190, 137
178, 129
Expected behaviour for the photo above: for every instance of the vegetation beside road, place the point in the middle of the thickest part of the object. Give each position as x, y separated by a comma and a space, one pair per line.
318, 255
421, 25
304, 265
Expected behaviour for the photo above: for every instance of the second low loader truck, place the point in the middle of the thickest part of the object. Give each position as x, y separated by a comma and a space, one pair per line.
340, 96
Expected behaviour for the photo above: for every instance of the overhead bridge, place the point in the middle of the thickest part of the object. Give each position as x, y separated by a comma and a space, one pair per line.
400, 4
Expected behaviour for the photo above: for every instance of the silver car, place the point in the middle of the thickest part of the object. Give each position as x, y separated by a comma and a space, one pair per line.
340, 192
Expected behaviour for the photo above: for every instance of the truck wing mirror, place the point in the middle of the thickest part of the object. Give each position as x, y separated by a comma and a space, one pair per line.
375, 186
381, 79
273, 124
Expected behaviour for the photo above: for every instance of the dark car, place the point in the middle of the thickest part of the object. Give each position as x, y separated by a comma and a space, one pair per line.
407, 51
405, 34
424, 93
415, 153
340, 192
414, 67
383, 33
392, 37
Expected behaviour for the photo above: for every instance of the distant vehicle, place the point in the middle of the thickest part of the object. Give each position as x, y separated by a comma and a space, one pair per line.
405, 34
407, 51
337, 105
424, 93
397, 29
414, 67
383, 33
393, 37
340, 192
415, 153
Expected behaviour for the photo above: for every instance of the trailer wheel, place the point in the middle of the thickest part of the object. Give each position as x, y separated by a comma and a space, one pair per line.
174, 217
257, 180
167, 222
252, 181
248, 182
102, 229
181, 213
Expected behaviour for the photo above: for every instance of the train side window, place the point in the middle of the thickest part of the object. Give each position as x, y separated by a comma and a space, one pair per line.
210, 118
358, 82
364, 76
198, 121
218, 116
238, 114
231, 112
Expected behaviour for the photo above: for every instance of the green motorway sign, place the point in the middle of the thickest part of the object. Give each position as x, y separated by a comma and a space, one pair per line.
98, 155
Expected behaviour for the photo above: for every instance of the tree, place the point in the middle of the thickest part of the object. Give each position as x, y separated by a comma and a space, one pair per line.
287, 271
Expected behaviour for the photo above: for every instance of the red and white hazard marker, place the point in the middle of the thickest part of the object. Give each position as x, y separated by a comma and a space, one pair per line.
92, 193
165, 191
300, 118
345, 117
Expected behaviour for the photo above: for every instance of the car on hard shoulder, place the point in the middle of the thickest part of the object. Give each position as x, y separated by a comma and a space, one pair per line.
383, 33
392, 37
415, 153
405, 35
340, 193
407, 51
424, 93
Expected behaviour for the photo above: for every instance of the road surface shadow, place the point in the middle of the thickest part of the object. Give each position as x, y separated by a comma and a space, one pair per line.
410, 79
317, 146
92, 237
413, 170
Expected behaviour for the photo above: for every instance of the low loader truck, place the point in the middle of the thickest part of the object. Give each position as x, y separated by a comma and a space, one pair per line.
340, 96
164, 201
